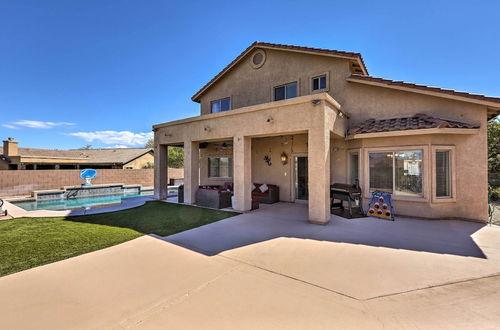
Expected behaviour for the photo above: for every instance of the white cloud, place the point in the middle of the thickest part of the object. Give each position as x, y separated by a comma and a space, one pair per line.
118, 138
36, 124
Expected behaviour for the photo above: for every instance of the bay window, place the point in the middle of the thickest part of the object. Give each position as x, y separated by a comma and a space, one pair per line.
396, 172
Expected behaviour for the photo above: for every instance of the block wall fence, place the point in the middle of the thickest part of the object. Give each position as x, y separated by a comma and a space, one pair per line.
23, 182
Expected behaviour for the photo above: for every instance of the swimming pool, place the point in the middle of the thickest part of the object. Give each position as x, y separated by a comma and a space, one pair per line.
75, 203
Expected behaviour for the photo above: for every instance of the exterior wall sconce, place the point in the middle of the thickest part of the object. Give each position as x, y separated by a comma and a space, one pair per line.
316, 102
284, 158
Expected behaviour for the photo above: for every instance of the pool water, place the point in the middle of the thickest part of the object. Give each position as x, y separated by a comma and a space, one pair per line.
76, 203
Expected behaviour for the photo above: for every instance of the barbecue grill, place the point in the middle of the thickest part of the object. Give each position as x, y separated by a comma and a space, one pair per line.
350, 193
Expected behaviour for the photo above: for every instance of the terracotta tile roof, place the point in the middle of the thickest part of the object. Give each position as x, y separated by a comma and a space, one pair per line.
424, 88
419, 121
94, 156
257, 44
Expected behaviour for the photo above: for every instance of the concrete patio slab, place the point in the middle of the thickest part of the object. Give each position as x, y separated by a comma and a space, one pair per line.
261, 300
266, 277
104, 288
249, 298
360, 258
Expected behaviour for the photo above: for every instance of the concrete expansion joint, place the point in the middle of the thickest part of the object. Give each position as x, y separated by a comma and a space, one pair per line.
435, 286
288, 276
355, 298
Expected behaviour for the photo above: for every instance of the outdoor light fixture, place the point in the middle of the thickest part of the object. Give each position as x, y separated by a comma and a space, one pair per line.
284, 158
316, 102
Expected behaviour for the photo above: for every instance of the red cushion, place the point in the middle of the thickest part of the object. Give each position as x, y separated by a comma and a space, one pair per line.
260, 193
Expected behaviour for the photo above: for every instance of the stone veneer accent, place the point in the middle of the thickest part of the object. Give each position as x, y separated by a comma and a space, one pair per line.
24, 182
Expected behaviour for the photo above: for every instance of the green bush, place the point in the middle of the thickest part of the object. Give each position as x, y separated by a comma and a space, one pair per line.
494, 180
495, 194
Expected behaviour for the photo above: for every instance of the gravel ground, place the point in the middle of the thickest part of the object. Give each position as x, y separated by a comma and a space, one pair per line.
496, 214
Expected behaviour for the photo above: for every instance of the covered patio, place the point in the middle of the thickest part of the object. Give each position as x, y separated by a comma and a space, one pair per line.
316, 117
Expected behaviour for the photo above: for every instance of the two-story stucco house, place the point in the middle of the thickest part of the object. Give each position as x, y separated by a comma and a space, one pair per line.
302, 118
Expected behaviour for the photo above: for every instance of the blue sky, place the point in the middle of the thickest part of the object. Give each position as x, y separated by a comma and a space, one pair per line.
102, 72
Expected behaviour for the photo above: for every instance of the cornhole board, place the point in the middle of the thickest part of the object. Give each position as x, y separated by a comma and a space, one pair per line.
380, 206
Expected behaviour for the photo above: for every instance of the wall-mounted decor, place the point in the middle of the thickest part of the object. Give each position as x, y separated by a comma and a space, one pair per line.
284, 158
267, 159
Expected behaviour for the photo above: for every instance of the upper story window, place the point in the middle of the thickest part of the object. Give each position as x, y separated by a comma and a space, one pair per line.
319, 83
285, 91
220, 105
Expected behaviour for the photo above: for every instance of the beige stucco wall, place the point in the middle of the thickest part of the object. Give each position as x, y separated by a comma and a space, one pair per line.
140, 162
363, 102
248, 86
278, 174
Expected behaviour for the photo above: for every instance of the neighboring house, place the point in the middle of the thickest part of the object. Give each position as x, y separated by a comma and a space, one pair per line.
14, 158
321, 113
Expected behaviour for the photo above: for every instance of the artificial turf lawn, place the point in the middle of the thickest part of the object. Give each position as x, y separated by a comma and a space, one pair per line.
31, 242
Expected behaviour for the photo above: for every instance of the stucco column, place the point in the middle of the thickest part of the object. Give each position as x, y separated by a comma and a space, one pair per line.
161, 171
191, 171
242, 172
319, 174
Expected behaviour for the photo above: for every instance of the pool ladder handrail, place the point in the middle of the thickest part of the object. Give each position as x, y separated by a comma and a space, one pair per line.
2, 211
72, 193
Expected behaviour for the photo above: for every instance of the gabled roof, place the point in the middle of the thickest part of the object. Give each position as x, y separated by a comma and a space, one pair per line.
356, 57
94, 156
449, 93
418, 121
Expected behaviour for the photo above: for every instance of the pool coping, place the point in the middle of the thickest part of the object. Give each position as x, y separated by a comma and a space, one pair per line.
127, 203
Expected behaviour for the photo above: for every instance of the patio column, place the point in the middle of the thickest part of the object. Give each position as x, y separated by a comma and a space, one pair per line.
242, 172
161, 171
319, 175
191, 171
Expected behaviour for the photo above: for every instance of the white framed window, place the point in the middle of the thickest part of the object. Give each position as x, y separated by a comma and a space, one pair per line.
443, 174
286, 91
399, 172
319, 83
220, 167
220, 105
